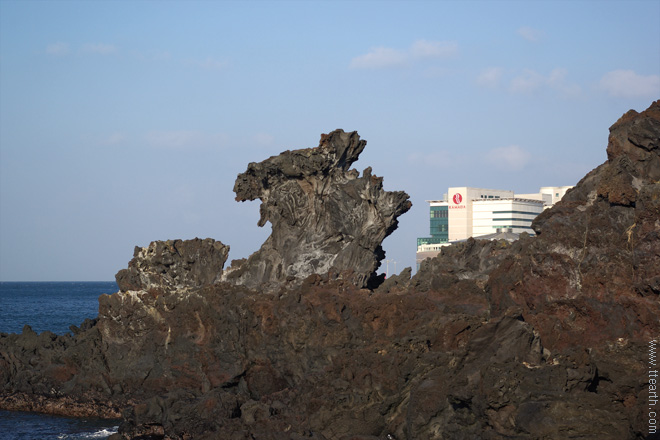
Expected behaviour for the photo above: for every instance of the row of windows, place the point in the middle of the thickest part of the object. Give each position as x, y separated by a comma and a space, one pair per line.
445, 213
529, 220
439, 225
436, 230
439, 213
489, 197
511, 227
431, 240
516, 212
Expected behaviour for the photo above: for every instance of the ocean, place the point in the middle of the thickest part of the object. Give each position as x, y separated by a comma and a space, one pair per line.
52, 306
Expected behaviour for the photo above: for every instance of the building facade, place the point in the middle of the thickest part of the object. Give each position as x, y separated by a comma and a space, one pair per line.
478, 212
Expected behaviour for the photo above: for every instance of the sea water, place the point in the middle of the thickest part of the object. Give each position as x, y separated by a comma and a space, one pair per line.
52, 306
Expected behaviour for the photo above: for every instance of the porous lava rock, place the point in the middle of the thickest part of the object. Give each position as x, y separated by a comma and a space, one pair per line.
544, 338
174, 264
593, 271
324, 216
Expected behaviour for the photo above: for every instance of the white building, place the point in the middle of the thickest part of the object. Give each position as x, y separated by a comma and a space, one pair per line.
549, 194
513, 215
478, 212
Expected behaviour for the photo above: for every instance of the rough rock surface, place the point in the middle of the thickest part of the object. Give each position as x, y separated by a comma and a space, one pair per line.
174, 264
593, 271
544, 338
324, 216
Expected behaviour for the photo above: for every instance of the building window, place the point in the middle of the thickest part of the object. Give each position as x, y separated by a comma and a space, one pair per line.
516, 212
513, 219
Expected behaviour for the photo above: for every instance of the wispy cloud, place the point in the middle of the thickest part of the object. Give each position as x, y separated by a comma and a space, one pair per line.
185, 139
379, 58
628, 84
57, 49
527, 82
510, 158
99, 48
490, 77
387, 57
530, 81
433, 49
530, 34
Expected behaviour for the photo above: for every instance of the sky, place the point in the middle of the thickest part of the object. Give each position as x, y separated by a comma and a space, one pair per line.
127, 122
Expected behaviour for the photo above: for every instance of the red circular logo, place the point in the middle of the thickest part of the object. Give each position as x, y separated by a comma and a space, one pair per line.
458, 198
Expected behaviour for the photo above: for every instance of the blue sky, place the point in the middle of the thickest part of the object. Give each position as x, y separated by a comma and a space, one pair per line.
126, 122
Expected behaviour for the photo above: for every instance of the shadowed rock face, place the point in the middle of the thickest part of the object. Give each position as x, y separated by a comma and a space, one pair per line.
324, 216
544, 338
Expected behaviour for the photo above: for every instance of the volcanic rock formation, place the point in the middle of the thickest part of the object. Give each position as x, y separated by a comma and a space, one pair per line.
324, 216
593, 272
544, 338
174, 265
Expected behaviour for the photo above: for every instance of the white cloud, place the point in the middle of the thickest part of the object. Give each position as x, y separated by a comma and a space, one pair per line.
530, 34
433, 49
490, 77
57, 49
512, 157
557, 76
527, 82
530, 81
185, 139
99, 48
378, 58
385, 57
628, 84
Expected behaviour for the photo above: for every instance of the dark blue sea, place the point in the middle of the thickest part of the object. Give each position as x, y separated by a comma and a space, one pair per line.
52, 306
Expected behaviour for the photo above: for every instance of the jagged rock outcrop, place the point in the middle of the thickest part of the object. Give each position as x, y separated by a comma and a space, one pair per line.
544, 338
174, 264
471, 260
324, 216
596, 257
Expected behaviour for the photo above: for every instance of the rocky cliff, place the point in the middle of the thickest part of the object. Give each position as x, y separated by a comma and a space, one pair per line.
543, 338
324, 216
